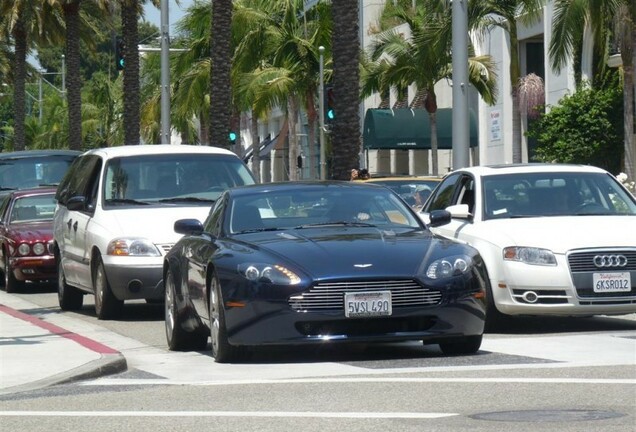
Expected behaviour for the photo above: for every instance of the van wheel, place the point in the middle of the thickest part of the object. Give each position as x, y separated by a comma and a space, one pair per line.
107, 306
69, 298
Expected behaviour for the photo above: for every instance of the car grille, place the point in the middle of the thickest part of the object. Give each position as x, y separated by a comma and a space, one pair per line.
582, 269
330, 295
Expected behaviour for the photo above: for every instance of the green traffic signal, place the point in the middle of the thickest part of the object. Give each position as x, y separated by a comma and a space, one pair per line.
232, 136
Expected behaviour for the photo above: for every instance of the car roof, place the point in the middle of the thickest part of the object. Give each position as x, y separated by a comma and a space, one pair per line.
487, 170
295, 185
33, 191
400, 178
147, 149
23, 154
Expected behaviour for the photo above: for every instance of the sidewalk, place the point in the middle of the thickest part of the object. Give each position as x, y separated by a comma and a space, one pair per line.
36, 353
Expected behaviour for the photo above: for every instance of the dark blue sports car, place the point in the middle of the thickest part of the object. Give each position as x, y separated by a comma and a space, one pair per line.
319, 262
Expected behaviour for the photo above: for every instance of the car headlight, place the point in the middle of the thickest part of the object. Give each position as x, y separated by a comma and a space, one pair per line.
530, 255
132, 247
449, 266
24, 249
39, 248
271, 273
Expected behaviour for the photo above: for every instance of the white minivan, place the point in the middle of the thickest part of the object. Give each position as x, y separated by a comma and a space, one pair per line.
115, 212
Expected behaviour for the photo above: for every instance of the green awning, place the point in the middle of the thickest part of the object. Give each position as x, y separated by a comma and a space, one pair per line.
411, 129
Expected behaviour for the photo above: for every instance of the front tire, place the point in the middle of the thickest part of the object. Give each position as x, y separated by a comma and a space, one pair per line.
461, 346
11, 284
179, 339
107, 306
69, 298
222, 351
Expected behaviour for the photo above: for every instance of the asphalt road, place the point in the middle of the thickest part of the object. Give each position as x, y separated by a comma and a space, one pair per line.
534, 375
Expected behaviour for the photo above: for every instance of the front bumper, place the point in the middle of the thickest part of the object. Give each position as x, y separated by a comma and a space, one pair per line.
135, 277
274, 323
34, 268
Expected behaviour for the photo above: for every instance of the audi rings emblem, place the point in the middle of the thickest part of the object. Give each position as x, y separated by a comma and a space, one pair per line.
603, 261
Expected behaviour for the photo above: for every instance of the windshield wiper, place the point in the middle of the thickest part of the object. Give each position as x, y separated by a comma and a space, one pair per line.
335, 223
6, 188
126, 201
253, 230
186, 199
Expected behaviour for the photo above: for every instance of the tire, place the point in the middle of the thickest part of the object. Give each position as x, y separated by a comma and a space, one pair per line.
179, 339
69, 298
461, 346
222, 351
107, 306
11, 284
494, 319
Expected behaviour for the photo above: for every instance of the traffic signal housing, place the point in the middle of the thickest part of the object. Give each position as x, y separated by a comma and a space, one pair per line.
119, 54
330, 99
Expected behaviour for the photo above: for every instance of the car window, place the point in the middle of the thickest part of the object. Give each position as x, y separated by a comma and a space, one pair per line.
554, 194
75, 181
33, 208
443, 196
24, 172
172, 178
214, 221
292, 209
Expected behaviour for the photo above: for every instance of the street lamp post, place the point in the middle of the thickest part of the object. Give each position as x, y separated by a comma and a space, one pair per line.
321, 104
460, 83
165, 73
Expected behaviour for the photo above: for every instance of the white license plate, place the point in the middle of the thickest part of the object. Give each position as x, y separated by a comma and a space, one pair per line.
367, 304
612, 282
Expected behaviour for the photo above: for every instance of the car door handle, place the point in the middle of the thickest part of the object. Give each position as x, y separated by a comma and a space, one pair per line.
68, 224
75, 226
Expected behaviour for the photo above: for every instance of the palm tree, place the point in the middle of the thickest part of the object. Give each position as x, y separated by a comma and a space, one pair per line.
425, 58
29, 23
130, 11
505, 14
616, 17
345, 135
220, 66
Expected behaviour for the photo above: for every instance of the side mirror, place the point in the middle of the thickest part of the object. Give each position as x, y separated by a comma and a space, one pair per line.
76, 203
188, 227
459, 211
439, 217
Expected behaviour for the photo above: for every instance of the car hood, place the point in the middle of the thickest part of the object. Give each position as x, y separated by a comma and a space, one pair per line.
156, 224
355, 252
563, 233
31, 231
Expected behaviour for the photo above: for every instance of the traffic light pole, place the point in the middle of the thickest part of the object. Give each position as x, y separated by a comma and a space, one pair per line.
460, 83
321, 102
165, 74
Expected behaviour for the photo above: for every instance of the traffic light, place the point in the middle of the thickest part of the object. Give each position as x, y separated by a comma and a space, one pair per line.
330, 99
119, 54
232, 137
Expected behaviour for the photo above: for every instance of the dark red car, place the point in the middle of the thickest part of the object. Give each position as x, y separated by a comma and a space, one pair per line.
26, 237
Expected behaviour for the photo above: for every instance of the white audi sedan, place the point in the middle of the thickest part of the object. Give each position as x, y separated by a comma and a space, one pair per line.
556, 239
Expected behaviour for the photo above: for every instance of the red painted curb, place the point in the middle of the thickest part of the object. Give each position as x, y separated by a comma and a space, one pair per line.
84, 341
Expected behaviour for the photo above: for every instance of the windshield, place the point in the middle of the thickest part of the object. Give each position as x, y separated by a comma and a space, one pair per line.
413, 191
33, 208
319, 207
174, 178
555, 194
27, 172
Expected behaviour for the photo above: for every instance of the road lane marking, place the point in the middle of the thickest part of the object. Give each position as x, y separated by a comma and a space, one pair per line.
503, 380
262, 414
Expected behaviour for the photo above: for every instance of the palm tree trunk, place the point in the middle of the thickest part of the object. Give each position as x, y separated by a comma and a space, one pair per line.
74, 78
628, 53
19, 91
220, 65
130, 34
292, 116
345, 135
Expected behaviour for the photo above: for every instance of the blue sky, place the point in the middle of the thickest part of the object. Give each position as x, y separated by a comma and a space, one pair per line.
175, 13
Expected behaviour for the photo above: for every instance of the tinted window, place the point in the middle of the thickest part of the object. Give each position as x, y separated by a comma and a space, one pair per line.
25, 172
172, 178
76, 181
443, 194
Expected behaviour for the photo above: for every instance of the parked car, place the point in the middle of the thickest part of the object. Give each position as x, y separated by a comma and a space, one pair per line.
415, 190
319, 262
33, 168
116, 209
556, 239
26, 237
